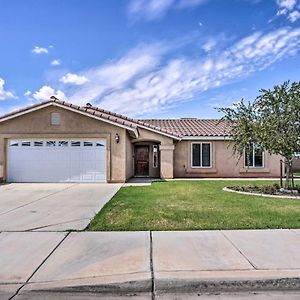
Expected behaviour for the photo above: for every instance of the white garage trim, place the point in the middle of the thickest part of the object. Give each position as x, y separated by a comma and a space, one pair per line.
56, 160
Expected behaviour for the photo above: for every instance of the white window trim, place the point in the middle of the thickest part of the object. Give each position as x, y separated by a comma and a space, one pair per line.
55, 118
200, 167
155, 167
253, 159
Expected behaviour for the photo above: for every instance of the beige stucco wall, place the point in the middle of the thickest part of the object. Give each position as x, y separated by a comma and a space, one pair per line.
224, 164
73, 125
129, 157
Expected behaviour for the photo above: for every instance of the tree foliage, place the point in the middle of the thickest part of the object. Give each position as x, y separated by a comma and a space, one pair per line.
278, 122
271, 121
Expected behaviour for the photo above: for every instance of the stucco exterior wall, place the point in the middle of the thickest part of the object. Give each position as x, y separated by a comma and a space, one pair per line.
2, 157
224, 164
129, 158
37, 124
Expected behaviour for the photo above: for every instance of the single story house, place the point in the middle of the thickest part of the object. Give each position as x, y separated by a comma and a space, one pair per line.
55, 141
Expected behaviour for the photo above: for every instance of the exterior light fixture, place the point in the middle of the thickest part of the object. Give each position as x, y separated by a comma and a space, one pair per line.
117, 138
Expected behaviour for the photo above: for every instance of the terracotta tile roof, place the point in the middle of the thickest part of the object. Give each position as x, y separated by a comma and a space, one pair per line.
98, 113
192, 126
96, 110
176, 128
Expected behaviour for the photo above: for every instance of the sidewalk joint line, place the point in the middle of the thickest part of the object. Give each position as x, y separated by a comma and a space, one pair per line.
39, 266
151, 268
230, 241
55, 224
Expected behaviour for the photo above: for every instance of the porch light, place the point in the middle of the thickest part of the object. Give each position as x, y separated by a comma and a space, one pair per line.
117, 138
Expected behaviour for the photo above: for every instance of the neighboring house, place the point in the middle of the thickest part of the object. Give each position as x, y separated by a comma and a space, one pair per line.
55, 141
296, 162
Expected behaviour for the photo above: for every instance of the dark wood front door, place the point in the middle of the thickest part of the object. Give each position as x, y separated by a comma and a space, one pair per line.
141, 161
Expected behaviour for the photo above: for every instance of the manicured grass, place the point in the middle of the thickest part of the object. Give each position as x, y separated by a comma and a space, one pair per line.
194, 205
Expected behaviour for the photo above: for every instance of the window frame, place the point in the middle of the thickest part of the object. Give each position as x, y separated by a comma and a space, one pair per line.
51, 143
201, 160
14, 143
25, 143
63, 143
37, 143
155, 154
253, 159
88, 144
55, 118
74, 143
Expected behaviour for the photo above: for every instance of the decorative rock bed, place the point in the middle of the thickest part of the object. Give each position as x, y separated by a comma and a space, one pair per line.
295, 196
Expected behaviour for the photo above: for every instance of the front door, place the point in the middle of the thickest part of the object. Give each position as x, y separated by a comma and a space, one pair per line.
141, 161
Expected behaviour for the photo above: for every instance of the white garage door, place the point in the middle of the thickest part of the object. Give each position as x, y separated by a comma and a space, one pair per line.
57, 160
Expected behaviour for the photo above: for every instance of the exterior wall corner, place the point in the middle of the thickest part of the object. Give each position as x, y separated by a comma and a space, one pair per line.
167, 161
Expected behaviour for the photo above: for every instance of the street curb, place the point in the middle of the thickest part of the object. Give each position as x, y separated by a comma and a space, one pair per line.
129, 287
166, 286
213, 286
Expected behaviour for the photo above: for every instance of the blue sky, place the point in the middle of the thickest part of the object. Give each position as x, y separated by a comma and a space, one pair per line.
146, 58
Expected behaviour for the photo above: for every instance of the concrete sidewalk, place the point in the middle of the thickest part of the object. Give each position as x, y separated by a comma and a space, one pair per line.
36, 265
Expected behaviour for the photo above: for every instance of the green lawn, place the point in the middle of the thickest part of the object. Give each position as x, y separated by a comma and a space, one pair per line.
188, 205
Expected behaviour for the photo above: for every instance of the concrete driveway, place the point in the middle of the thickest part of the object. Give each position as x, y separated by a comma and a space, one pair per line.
51, 207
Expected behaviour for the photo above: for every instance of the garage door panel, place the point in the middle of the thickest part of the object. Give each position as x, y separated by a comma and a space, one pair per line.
57, 161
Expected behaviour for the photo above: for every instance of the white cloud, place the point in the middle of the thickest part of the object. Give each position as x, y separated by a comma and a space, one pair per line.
116, 75
147, 80
45, 92
151, 9
281, 12
39, 50
154, 9
214, 42
70, 78
287, 8
27, 94
55, 62
210, 44
288, 4
189, 3
4, 95
294, 16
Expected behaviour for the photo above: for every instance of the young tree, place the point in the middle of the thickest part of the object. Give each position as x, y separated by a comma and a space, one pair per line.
271, 121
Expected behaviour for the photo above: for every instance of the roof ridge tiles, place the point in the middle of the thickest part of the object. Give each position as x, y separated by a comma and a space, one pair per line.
174, 126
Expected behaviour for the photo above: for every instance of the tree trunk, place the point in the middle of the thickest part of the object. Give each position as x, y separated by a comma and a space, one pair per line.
288, 164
